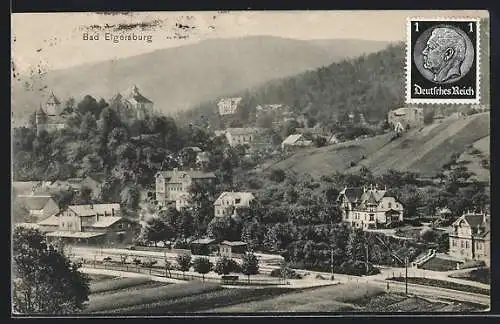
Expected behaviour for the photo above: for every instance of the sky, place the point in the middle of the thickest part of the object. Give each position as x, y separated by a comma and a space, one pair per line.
55, 40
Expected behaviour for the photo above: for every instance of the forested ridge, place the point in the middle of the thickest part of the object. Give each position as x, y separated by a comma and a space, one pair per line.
371, 84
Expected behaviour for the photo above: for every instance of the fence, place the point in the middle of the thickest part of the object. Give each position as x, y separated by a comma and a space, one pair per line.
175, 274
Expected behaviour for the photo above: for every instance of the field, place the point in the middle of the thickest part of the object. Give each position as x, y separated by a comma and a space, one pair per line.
336, 298
122, 283
444, 284
439, 264
348, 298
423, 150
481, 275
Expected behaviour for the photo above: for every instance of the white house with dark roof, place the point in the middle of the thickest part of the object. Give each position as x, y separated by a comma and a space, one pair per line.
406, 117
470, 237
371, 207
89, 223
241, 135
174, 184
228, 202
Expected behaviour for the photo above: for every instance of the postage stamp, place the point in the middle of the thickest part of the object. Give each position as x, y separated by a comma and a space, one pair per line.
443, 57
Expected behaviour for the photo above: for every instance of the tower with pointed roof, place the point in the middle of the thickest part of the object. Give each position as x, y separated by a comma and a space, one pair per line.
53, 105
132, 105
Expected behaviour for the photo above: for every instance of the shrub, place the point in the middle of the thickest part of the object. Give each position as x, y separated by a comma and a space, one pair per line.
357, 268
276, 273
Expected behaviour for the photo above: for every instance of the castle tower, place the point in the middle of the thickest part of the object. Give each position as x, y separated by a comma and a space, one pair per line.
53, 105
40, 120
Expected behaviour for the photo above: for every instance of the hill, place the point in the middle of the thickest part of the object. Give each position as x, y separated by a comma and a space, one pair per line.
182, 77
425, 150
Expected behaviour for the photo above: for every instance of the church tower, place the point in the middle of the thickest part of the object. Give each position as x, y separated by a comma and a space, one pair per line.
40, 120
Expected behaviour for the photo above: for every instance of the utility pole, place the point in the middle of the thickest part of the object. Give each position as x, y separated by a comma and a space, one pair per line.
331, 261
406, 276
366, 259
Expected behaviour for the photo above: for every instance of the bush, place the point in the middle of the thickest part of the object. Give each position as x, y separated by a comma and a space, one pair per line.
276, 273
357, 268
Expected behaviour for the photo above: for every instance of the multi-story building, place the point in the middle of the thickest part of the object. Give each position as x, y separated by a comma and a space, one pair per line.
240, 136
470, 237
35, 207
228, 203
369, 207
228, 106
406, 117
132, 105
89, 224
175, 184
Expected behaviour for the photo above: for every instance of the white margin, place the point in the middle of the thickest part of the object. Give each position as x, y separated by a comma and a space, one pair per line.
408, 99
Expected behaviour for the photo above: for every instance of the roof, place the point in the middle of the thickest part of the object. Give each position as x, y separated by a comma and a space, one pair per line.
233, 243
174, 176
74, 234
372, 196
34, 202
292, 139
403, 111
53, 99
106, 221
74, 180
137, 96
51, 221
90, 210
475, 221
241, 131
194, 148
27, 225
24, 187
203, 241
245, 197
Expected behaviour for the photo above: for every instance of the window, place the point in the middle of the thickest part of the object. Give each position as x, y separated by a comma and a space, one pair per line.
453, 242
466, 244
390, 205
462, 244
372, 217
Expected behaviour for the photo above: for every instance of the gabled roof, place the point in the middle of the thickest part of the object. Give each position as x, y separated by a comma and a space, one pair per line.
34, 202
106, 221
203, 241
74, 234
90, 210
177, 176
245, 197
137, 96
241, 131
476, 222
50, 221
292, 139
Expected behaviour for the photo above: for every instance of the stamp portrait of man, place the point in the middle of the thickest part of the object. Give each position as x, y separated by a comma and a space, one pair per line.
444, 53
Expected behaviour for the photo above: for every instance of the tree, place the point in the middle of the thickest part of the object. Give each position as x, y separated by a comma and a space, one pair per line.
250, 265
44, 280
202, 265
277, 175
130, 197
184, 262
219, 228
225, 266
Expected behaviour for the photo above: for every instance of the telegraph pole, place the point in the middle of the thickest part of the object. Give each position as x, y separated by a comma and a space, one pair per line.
406, 275
331, 261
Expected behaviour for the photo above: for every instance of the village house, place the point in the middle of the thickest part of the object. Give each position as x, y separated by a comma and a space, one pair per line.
35, 207
99, 223
175, 184
294, 141
228, 106
369, 207
241, 136
232, 248
203, 246
470, 237
52, 117
228, 203
406, 117
132, 105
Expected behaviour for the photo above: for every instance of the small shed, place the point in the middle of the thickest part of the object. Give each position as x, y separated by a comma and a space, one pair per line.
203, 246
228, 248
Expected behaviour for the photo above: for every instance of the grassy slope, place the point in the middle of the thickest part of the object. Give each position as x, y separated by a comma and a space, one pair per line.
423, 150
474, 160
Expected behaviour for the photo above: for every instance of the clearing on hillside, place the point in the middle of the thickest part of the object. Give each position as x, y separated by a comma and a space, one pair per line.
424, 150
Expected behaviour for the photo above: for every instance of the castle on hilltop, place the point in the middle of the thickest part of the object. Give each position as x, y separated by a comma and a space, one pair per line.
132, 105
